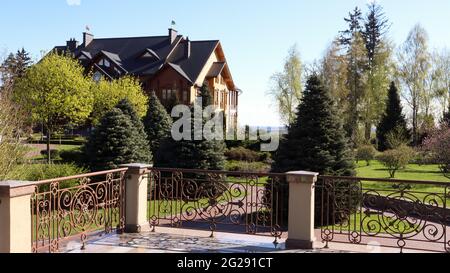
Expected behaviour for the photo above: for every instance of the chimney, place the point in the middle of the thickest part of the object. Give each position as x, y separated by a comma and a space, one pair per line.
172, 35
187, 48
72, 45
87, 38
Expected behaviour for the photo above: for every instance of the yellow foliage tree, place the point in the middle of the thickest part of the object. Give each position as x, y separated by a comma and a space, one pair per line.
108, 94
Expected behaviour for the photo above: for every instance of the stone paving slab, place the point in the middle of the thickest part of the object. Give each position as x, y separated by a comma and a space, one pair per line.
185, 241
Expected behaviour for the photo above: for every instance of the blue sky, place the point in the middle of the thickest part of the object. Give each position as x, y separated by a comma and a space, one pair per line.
255, 34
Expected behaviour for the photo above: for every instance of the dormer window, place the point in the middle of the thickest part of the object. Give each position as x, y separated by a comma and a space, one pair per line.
150, 54
104, 62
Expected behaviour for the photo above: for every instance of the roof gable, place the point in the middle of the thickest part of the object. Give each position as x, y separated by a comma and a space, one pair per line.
145, 56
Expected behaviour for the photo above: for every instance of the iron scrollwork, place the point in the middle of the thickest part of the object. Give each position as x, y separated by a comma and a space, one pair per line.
402, 214
216, 199
64, 209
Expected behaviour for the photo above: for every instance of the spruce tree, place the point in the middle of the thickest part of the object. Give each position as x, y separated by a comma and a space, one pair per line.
141, 143
316, 142
193, 154
393, 119
205, 94
116, 141
375, 27
15, 66
157, 123
23, 62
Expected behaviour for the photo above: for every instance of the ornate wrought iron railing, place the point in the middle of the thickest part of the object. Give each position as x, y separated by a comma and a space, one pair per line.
74, 207
252, 203
409, 215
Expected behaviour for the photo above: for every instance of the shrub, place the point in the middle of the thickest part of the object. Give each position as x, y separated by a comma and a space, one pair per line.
438, 144
366, 153
424, 157
265, 157
53, 153
242, 154
396, 159
396, 138
76, 157
241, 166
38, 172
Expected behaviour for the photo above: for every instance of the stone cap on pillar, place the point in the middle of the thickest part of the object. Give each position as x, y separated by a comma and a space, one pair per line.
136, 168
302, 177
16, 188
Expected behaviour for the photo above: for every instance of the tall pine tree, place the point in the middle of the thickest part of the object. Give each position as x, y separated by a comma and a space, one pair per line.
116, 141
353, 42
15, 66
393, 119
378, 55
157, 123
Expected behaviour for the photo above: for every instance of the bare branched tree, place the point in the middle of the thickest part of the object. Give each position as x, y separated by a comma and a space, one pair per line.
286, 89
11, 149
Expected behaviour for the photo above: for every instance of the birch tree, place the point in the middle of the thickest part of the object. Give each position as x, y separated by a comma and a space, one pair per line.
286, 86
413, 68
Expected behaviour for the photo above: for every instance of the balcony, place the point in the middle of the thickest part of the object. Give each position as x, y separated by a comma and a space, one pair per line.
138, 208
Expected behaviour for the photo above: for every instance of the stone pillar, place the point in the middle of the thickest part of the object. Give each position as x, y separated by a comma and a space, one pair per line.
136, 202
15, 216
301, 210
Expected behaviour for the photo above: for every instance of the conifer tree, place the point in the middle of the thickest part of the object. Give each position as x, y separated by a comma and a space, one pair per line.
316, 142
193, 154
141, 141
116, 141
393, 119
15, 66
353, 42
157, 122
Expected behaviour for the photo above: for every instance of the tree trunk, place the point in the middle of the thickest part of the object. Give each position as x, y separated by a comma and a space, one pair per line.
368, 131
48, 147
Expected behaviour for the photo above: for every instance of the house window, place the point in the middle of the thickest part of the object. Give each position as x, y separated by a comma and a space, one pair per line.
164, 94
107, 63
117, 70
185, 96
97, 76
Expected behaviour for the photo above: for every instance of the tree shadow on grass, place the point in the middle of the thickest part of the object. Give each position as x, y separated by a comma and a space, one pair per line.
410, 171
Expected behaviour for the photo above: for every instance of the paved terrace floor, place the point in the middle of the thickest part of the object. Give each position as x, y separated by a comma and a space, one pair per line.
171, 240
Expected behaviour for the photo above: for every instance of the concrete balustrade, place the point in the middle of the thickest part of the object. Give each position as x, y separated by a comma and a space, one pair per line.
136, 197
301, 209
15, 216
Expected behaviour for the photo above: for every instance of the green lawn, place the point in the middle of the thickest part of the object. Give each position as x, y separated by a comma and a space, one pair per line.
421, 192
60, 148
412, 172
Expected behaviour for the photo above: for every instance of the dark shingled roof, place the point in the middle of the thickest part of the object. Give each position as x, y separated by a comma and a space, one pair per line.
129, 54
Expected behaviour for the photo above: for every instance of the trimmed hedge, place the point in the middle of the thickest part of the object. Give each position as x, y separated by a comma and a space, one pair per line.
53, 153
